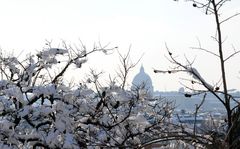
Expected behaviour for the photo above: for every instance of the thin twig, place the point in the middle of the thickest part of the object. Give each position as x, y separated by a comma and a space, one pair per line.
229, 18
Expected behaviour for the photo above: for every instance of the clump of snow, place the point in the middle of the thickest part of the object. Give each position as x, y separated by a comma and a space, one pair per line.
139, 119
196, 75
54, 51
69, 142
79, 62
52, 139
25, 111
45, 90
3, 84
15, 92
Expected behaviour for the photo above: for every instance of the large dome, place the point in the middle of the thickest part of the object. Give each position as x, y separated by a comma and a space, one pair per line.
143, 78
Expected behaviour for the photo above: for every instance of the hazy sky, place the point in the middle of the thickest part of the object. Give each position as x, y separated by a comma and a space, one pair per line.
146, 25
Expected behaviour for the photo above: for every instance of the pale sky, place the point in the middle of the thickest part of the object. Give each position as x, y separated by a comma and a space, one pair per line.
146, 25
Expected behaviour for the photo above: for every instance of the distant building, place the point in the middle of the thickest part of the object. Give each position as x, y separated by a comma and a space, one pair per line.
143, 80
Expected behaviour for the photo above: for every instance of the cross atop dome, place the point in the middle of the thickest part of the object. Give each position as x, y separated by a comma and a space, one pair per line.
142, 69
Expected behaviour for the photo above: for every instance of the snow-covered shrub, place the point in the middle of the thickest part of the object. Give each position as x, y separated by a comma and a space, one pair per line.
38, 109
